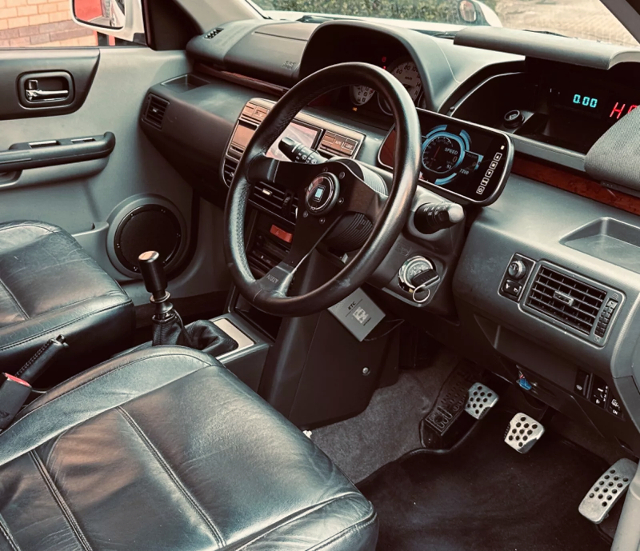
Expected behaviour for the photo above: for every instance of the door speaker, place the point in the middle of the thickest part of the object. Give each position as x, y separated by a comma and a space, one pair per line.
146, 224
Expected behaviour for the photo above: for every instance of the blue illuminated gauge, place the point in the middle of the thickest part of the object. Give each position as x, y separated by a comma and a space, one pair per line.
445, 154
442, 152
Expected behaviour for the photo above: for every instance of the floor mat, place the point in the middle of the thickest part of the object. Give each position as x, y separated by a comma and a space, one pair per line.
483, 496
388, 428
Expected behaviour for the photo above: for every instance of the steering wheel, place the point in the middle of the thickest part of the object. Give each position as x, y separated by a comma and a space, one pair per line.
327, 193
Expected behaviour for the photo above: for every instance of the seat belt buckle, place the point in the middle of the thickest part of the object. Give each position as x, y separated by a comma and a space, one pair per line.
14, 392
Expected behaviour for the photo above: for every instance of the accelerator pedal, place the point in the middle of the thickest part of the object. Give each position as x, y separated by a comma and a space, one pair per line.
606, 492
523, 432
480, 400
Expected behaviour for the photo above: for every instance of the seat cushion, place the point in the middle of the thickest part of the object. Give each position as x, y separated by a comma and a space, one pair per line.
50, 286
164, 449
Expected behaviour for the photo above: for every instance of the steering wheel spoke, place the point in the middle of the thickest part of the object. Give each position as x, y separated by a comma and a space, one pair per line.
286, 174
309, 232
358, 196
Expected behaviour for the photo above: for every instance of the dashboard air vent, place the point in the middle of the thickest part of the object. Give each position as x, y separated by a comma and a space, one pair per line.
274, 199
229, 170
212, 33
566, 299
155, 110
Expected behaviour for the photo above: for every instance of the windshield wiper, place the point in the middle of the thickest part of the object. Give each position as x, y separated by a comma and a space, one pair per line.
310, 18
548, 32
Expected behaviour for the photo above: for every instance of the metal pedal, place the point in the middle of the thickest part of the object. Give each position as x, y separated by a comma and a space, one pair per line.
523, 432
606, 492
480, 400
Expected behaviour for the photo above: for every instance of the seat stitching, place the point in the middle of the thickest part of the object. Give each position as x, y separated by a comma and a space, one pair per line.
4, 530
118, 368
15, 300
302, 515
66, 511
359, 526
172, 474
60, 326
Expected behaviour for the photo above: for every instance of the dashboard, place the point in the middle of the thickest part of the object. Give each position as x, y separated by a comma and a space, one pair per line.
539, 277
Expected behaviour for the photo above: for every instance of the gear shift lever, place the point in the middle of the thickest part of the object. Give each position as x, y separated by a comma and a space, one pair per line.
155, 280
167, 324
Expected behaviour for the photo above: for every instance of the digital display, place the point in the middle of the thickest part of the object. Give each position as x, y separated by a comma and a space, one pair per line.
459, 158
596, 102
303, 134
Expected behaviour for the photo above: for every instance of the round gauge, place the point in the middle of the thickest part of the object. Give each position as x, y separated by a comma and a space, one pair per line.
407, 73
442, 152
360, 94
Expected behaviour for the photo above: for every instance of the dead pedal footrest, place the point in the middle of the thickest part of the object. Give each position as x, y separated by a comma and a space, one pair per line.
607, 490
523, 432
480, 400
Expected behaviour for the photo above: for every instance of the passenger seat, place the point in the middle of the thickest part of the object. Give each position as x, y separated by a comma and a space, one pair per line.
50, 286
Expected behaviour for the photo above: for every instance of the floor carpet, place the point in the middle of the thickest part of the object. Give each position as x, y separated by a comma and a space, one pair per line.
389, 427
484, 496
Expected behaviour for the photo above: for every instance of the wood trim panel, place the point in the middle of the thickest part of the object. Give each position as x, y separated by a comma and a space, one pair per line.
575, 183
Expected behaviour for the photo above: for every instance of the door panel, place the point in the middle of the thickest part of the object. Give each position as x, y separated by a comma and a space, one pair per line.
82, 197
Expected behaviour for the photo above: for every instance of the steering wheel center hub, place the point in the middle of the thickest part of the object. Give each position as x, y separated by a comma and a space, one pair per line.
322, 193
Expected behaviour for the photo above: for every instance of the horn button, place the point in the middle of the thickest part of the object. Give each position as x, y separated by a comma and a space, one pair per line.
322, 193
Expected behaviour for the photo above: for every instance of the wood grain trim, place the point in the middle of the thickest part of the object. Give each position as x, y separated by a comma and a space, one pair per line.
575, 183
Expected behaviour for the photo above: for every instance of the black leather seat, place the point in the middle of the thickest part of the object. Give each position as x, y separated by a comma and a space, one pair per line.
50, 286
165, 449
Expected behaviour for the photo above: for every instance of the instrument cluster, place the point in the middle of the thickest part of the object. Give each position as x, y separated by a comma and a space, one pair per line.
405, 70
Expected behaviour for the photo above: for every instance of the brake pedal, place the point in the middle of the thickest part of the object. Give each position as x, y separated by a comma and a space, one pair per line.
523, 432
606, 492
480, 400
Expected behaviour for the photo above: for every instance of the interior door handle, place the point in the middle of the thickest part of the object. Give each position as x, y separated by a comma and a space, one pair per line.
46, 95
44, 90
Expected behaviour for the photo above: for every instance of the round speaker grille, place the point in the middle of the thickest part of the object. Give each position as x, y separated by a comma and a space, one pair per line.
147, 228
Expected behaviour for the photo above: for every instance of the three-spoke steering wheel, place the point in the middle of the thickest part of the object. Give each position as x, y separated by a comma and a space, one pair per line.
326, 192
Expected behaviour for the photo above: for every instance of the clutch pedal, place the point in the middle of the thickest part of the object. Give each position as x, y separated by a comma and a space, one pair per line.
606, 492
523, 432
480, 400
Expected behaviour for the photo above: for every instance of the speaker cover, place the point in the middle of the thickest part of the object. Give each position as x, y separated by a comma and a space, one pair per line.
145, 224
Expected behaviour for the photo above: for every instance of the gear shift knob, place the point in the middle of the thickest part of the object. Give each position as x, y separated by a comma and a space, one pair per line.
153, 274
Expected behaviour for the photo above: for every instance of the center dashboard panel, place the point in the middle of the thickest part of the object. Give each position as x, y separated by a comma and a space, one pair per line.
322, 136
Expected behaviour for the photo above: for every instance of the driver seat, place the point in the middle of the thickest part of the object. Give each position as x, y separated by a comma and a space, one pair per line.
165, 449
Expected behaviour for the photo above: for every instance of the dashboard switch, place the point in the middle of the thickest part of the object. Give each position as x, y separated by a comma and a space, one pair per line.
513, 118
599, 392
512, 288
517, 269
515, 277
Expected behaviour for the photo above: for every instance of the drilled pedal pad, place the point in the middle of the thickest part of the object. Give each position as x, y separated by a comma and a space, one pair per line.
606, 492
523, 433
480, 400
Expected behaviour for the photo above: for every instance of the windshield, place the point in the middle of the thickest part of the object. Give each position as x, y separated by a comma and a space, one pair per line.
588, 19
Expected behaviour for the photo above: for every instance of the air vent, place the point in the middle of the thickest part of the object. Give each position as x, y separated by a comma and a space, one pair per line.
156, 108
275, 200
566, 299
212, 33
229, 170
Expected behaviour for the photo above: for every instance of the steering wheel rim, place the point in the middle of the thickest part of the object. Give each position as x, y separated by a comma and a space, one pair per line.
269, 293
